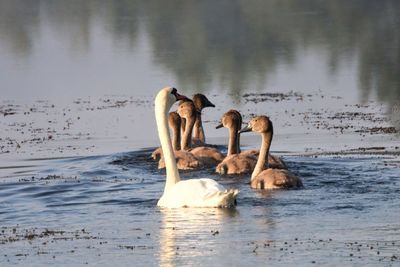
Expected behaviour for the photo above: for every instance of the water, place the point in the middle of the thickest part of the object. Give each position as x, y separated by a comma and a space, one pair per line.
113, 198
60, 48
78, 80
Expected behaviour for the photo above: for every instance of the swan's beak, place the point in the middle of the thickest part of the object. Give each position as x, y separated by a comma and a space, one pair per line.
219, 126
181, 97
247, 128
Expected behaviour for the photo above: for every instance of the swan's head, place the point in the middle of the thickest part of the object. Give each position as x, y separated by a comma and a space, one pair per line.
169, 95
231, 119
187, 110
201, 101
259, 124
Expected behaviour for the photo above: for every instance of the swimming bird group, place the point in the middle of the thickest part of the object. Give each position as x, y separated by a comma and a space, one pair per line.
188, 151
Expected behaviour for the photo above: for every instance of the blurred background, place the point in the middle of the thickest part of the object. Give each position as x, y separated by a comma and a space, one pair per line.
79, 48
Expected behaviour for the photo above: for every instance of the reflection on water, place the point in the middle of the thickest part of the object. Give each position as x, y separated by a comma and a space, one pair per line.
187, 231
346, 201
229, 45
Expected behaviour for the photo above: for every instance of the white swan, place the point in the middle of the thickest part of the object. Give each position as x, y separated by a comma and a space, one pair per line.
189, 193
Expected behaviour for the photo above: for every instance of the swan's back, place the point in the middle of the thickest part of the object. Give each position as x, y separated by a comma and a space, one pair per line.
198, 193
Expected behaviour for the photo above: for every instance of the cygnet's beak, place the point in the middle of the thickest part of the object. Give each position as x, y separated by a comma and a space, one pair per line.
219, 126
247, 128
209, 104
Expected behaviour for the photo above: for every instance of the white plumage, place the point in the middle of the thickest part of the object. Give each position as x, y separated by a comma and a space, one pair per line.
203, 192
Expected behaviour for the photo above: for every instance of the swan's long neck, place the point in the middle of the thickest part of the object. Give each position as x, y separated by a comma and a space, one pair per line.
161, 110
233, 146
264, 151
186, 141
198, 131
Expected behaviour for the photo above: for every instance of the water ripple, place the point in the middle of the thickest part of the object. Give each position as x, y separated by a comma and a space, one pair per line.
120, 192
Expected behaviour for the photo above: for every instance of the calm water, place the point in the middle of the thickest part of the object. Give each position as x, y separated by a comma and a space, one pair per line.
346, 201
101, 210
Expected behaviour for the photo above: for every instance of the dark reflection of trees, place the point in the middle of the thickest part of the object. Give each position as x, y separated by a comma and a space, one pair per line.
235, 41
123, 17
71, 21
18, 21
216, 39
379, 48
229, 41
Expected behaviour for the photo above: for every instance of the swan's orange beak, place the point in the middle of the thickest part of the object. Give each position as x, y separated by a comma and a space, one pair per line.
181, 97
178, 96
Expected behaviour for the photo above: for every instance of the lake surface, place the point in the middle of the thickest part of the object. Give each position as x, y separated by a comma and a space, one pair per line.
77, 83
347, 214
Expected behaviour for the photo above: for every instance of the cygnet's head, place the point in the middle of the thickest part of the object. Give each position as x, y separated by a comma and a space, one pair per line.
187, 110
201, 101
231, 119
259, 124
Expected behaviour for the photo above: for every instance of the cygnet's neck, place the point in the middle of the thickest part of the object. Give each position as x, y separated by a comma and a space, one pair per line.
176, 134
198, 131
264, 151
186, 141
233, 145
